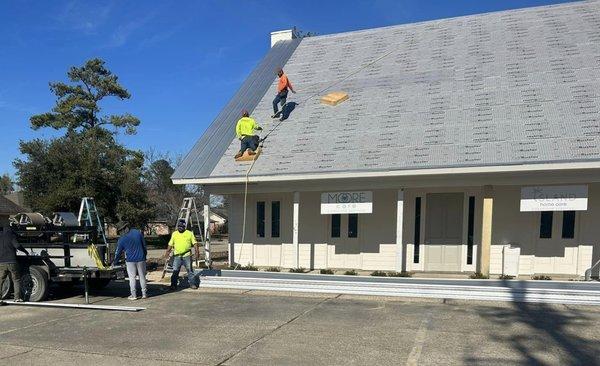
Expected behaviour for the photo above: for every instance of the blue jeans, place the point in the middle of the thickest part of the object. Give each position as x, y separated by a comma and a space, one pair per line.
187, 263
249, 142
279, 98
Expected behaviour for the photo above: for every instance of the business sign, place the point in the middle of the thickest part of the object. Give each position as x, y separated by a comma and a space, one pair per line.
346, 202
554, 198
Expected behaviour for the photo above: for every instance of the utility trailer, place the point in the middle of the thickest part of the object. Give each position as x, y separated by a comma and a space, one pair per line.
58, 251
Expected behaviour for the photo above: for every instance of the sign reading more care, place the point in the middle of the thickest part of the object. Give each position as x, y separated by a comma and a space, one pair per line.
346, 202
554, 198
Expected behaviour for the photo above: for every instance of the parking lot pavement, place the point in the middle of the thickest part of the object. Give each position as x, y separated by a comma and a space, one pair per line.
257, 328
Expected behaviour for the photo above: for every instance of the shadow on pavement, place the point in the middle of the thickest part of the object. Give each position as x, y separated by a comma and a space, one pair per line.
549, 332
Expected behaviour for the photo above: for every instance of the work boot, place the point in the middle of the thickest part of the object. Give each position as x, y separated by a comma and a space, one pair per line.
238, 155
250, 152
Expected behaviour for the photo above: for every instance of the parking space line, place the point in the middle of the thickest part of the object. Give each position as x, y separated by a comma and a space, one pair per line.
415, 353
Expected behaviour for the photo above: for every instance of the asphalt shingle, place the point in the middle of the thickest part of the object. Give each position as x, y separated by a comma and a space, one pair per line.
513, 87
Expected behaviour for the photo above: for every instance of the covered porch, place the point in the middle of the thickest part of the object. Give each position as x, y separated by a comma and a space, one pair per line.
420, 227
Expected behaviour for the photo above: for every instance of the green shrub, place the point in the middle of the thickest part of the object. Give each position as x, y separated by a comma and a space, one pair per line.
273, 269
298, 270
350, 273
479, 276
400, 274
541, 278
326, 271
379, 274
506, 277
247, 268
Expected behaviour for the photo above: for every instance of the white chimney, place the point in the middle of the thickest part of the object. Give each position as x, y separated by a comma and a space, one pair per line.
283, 35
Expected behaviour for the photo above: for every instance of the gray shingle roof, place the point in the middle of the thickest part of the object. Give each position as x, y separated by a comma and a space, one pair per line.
513, 87
205, 154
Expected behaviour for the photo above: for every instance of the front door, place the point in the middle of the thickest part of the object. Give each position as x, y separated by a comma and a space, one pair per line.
444, 232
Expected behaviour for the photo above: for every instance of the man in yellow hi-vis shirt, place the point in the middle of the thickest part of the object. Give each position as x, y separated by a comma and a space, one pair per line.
244, 130
181, 243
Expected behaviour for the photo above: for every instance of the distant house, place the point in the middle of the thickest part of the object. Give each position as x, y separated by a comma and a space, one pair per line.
7, 209
19, 199
466, 144
218, 221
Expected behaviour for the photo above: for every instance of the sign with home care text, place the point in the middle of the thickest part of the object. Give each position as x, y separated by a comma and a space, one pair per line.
554, 198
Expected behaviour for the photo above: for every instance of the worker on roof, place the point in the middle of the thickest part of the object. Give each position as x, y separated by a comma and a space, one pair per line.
182, 241
245, 133
282, 91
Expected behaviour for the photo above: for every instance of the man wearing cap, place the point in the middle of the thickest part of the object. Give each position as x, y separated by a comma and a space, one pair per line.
244, 131
133, 244
282, 91
181, 244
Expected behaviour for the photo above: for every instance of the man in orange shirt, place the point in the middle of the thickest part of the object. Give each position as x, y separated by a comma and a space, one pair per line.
282, 92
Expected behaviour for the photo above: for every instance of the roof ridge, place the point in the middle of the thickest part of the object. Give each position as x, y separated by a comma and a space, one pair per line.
567, 3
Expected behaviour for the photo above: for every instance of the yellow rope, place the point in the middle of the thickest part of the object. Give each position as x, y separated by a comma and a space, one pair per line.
92, 250
356, 71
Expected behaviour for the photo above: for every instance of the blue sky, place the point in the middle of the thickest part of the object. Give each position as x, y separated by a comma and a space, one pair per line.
181, 60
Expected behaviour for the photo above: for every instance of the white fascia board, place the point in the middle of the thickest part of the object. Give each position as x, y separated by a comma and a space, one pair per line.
394, 173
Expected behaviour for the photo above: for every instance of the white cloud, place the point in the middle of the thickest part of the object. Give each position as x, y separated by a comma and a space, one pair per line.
85, 17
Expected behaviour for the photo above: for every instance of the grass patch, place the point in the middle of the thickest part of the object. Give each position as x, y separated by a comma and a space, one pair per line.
400, 274
479, 276
326, 271
379, 274
298, 270
273, 269
506, 277
350, 273
541, 278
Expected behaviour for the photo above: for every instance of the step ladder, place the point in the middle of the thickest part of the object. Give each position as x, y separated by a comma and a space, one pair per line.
88, 216
190, 214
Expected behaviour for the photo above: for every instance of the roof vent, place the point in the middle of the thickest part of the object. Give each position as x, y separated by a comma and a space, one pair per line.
283, 35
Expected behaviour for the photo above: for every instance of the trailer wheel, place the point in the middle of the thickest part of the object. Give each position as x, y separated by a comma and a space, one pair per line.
34, 284
5, 288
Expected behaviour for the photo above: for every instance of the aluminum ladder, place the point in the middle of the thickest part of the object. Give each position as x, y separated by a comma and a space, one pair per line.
88, 216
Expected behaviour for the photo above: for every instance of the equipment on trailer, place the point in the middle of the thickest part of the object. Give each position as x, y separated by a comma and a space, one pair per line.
65, 219
59, 252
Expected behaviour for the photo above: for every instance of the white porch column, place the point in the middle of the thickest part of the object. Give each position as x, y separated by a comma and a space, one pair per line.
207, 256
486, 230
399, 228
296, 219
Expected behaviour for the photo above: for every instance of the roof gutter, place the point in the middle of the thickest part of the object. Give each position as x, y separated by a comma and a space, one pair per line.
394, 173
